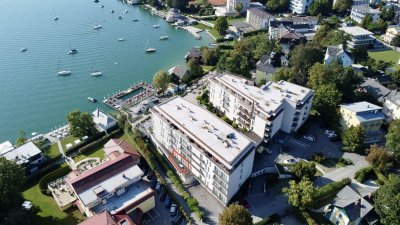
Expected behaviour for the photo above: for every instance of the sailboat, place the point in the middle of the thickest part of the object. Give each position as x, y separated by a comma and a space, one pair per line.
72, 51
62, 72
163, 37
97, 27
96, 73
149, 50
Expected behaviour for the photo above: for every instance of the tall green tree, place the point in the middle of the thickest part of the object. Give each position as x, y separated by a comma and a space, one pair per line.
239, 7
195, 70
21, 139
179, 4
360, 55
81, 124
323, 7
304, 169
393, 139
238, 63
286, 74
235, 215
209, 56
12, 178
343, 6
326, 102
379, 158
161, 80
353, 139
302, 58
396, 41
300, 195
221, 25
366, 21
277, 5
387, 201
388, 14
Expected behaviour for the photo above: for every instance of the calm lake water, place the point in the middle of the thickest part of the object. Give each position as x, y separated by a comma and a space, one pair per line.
34, 98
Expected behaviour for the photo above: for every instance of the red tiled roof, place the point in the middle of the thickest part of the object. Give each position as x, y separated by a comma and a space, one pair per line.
217, 2
103, 218
125, 146
101, 172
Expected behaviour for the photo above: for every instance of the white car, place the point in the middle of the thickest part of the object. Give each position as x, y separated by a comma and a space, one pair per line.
310, 137
328, 132
290, 161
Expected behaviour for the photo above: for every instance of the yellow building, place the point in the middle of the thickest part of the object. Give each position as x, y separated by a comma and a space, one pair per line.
366, 115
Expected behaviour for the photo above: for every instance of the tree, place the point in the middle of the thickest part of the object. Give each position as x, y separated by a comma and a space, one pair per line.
366, 21
379, 158
326, 101
235, 215
161, 80
195, 70
396, 41
327, 35
209, 56
277, 5
353, 139
11, 182
302, 58
388, 14
21, 139
239, 7
221, 25
238, 63
81, 124
300, 194
387, 201
304, 169
360, 55
393, 139
286, 74
179, 4
320, 7
343, 6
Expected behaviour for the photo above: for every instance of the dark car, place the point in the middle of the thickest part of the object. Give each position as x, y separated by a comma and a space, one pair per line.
153, 183
163, 194
177, 218
167, 202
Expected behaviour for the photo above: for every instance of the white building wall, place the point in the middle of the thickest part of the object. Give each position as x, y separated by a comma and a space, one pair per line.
391, 110
230, 5
300, 6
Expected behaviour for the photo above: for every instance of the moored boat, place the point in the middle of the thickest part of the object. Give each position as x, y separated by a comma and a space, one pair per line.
91, 99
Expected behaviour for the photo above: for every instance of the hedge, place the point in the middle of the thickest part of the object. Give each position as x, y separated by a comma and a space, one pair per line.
363, 173
307, 217
331, 188
54, 175
274, 218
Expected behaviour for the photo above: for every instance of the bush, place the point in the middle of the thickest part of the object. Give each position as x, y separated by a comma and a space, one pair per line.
331, 189
274, 218
307, 217
318, 157
363, 173
54, 175
345, 162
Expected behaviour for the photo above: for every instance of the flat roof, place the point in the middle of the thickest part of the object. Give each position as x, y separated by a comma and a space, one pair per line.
356, 31
366, 9
358, 107
270, 96
22, 154
5, 147
206, 129
109, 185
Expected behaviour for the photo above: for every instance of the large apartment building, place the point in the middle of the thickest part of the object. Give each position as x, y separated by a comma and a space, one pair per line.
359, 37
264, 111
300, 6
201, 146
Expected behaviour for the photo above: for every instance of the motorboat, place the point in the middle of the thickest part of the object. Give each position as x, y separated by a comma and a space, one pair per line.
55, 18
120, 17
91, 99
156, 26
135, 20
163, 37
96, 73
72, 51
125, 11
96, 1
102, 6
97, 27
23, 50
121, 39
112, 11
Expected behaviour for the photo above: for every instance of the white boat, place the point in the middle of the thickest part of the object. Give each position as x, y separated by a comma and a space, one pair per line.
149, 50
62, 72
163, 37
102, 6
96, 73
125, 11
97, 27
112, 10
121, 39
23, 50
91, 99
156, 26
55, 18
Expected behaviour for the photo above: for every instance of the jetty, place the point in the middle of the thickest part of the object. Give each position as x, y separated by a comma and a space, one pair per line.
130, 97
193, 30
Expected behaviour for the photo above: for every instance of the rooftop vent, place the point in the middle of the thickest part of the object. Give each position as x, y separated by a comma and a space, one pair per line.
177, 107
216, 136
205, 122
192, 118
226, 144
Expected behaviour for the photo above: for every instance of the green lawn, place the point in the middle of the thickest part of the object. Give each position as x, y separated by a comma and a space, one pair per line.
52, 151
95, 153
387, 56
241, 19
212, 31
46, 211
67, 140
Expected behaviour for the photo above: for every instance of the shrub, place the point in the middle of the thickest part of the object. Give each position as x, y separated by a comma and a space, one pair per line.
345, 161
318, 157
307, 217
54, 175
363, 173
331, 188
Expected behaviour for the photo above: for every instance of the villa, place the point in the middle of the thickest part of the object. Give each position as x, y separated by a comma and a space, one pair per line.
103, 121
339, 55
359, 37
27, 155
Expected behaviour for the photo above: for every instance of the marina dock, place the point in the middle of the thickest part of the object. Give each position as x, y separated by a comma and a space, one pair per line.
194, 31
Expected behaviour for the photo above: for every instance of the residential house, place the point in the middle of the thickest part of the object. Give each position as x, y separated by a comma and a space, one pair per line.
391, 32
103, 121
358, 12
350, 207
105, 218
114, 185
376, 89
27, 155
172, 88
299, 6
391, 107
258, 18
173, 15
179, 71
359, 37
267, 65
358, 2
277, 28
339, 55
194, 53
201, 146
288, 39
121, 146
366, 115
263, 111
311, 21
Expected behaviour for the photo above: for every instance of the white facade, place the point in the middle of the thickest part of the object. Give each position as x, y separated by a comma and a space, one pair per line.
337, 54
391, 108
359, 37
199, 145
27, 154
231, 5
391, 32
103, 121
299, 6
266, 110
258, 18
358, 12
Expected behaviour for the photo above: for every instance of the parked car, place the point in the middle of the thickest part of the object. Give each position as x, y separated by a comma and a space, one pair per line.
158, 187
290, 161
177, 218
330, 132
310, 137
167, 202
173, 209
